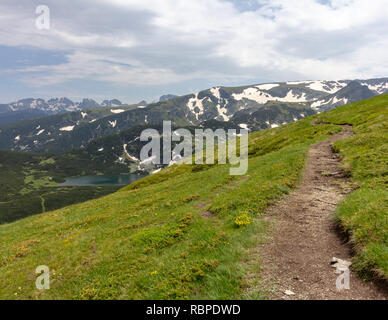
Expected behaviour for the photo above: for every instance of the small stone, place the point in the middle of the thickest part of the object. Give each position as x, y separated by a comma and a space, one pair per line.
289, 293
338, 263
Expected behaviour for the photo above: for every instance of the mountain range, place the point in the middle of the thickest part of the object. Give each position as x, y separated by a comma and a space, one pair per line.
54, 105
254, 107
31, 108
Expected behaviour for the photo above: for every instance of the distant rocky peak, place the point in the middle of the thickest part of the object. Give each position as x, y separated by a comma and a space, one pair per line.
167, 97
111, 103
88, 104
62, 101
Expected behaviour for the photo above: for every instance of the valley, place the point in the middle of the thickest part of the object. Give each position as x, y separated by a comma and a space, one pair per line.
29, 183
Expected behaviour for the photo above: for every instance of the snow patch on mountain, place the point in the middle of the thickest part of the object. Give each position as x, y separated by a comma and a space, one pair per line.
196, 105
267, 86
379, 88
222, 112
216, 92
117, 110
327, 86
68, 128
263, 97
130, 157
292, 97
253, 94
221, 103
315, 105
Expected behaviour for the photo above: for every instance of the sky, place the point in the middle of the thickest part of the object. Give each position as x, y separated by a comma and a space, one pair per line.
136, 50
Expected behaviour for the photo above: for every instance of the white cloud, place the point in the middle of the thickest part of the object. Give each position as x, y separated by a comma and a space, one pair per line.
154, 42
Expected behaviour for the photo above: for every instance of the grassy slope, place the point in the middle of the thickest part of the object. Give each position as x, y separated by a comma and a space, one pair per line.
150, 240
364, 214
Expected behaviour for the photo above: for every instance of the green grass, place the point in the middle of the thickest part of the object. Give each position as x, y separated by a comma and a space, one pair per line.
151, 239
35, 180
364, 214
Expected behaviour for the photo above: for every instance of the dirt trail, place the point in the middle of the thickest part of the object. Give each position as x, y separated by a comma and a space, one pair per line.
305, 238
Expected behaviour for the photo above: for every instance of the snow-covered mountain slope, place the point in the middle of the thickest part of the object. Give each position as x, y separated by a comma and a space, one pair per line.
353, 92
224, 104
378, 86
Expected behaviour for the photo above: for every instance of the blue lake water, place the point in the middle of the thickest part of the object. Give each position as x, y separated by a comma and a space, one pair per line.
102, 180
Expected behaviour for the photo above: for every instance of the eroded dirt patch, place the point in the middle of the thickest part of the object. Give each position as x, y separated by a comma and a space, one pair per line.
296, 261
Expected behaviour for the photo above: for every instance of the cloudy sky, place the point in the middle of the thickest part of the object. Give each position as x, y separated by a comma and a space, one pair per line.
141, 49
